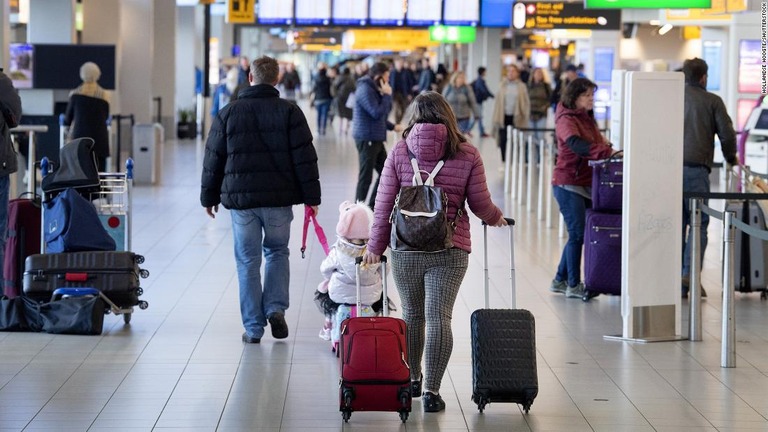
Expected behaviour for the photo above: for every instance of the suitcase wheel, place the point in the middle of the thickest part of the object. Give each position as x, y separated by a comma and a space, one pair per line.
139, 259
588, 295
346, 414
127, 318
143, 305
481, 406
403, 416
144, 273
526, 407
764, 295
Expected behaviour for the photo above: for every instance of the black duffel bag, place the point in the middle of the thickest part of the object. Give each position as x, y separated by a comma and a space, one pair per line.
12, 314
73, 315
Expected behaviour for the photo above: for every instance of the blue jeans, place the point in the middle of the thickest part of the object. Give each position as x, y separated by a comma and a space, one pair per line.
465, 125
322, 114
267, 228
479, 120
695, 179
4, 185
574, 209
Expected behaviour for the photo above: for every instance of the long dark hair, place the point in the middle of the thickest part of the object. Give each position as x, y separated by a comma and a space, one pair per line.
576, 88
431, 107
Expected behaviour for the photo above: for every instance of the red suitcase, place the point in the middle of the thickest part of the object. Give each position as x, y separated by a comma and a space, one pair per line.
375, 375
23, 241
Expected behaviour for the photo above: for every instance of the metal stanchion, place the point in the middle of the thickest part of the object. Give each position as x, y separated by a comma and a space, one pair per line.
542, 171
728, 351
32, 155
507, 155
520, 168
694, 284
513, 167
531, 173
550, 171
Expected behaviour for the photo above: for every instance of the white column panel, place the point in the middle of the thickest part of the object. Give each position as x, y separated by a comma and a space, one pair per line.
185, 55
164, 62
51, 21
101, 22
5, 33
486, 51
135, 58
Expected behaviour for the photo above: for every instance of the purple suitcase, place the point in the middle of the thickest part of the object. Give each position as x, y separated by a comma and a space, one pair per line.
602, 254
607, 184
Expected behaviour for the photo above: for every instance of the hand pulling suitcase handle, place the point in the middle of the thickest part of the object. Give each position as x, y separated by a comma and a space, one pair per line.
511, 224
385, 300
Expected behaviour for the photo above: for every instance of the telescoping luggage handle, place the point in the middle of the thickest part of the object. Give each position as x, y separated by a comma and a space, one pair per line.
359, 261
511, 224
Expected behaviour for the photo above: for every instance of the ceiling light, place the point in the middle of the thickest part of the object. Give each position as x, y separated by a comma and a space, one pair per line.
665, 29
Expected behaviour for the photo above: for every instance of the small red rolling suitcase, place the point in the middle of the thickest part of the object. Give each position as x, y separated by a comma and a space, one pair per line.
23, 241
375, 375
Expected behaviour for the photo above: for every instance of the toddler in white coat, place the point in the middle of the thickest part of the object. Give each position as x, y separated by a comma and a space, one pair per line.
338, 270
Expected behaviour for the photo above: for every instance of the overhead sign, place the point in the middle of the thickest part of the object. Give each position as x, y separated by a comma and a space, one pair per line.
560, 15
647, 4
452, 34
386, 40
241, 11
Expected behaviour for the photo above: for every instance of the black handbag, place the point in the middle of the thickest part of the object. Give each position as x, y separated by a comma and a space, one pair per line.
73, 315
12, 314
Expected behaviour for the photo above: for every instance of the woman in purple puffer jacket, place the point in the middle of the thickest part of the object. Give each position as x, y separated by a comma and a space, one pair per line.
428, 282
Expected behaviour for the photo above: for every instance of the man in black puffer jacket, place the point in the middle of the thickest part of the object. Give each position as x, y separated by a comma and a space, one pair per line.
260, 161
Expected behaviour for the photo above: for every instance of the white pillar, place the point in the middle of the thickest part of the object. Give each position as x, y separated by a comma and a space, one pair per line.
486, 51
185, 57
164, 63
135, 58
5, 32
51, 21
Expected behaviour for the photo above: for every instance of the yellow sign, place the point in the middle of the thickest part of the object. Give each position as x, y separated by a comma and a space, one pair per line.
386, 40
241, 11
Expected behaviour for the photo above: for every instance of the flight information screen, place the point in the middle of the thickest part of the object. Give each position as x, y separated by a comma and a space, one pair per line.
461, 12
424, 12
350, 12
313, 12
386, 13
275, 12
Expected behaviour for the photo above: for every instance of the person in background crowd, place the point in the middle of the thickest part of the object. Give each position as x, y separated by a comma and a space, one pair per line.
10, 108
415, 69
578, 141
481, 95
427, 76
580, 71
461, 99
344, 86
224, 91
401, 81
258, 170
321, 97
333, 73
429, 282
441, 78
243, 69
511, 108
562, 82
540, 94
705, 117
373, 101
88, 111
291, 83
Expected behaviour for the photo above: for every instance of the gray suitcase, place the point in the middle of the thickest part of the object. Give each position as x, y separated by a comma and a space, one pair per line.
750, 252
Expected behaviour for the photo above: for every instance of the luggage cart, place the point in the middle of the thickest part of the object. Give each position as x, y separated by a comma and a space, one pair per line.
113, 205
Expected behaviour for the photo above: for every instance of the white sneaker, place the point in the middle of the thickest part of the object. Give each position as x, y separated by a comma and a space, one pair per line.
325, 334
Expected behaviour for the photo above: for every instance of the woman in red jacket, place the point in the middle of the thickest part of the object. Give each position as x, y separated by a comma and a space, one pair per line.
428, 282
578, 141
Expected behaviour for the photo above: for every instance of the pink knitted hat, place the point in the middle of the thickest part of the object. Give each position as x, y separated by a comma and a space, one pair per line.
355, 220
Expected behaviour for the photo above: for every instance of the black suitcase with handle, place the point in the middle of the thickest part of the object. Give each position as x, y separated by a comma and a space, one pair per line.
503, 347
116, 274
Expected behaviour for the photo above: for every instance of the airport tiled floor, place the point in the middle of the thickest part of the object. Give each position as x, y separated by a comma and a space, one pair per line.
180, 365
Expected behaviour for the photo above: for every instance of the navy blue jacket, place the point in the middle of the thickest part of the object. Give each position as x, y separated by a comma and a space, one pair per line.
259, 153
369, 118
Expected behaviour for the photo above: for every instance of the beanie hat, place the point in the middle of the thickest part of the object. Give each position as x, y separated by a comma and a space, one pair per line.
90, 72
355, 220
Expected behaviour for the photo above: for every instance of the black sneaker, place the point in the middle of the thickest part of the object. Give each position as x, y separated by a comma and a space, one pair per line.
416, 387
278, 325
252, 340
432, 402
